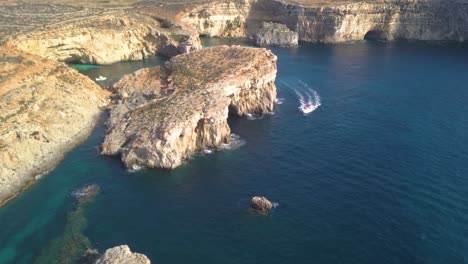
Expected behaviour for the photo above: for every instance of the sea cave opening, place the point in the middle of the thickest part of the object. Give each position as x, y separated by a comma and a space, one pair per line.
375, 35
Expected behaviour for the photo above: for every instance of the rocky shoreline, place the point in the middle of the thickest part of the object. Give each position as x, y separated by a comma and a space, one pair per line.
46, 109
165, 114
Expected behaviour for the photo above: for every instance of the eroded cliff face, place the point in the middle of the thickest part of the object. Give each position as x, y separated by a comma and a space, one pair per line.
331, 23
46, 109
107, 38
165, 114
219, 18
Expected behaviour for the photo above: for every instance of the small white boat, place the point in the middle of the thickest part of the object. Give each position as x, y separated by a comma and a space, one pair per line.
101, 78
307, 108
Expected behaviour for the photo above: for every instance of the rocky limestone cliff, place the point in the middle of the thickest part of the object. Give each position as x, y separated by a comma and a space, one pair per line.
219, 18
107, 38
165, 114
46, 109
122, 255
331, 22
274, 34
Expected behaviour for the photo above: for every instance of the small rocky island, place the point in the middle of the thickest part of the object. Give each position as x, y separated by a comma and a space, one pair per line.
163, 115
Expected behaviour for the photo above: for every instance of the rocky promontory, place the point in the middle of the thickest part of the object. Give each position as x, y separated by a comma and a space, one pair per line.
122, 255
106, 37
46, 109
165, 114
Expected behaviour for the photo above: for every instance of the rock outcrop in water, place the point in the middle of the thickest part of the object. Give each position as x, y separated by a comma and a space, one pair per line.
122, 255
261, 204
165, 114
274, 34
46, 109
107, 38
331, 21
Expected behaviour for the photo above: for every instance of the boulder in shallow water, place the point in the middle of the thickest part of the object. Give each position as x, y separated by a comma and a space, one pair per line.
261, 204
122, 255
86, 192
89, 256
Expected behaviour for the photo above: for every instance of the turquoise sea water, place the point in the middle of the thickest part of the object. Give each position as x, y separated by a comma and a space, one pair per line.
378, 173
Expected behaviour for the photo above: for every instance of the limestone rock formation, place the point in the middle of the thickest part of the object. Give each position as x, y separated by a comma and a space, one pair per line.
107, 38
122, 255
336, 21
219, 18
46, 109
261, 204
165, 114
274, 34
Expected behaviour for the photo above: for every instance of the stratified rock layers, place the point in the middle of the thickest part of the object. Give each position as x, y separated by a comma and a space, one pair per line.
122, 255
112, 37
329, 22
274, 34
46, 109
167, 113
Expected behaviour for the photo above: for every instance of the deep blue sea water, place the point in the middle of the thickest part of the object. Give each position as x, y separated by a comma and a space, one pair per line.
377, 174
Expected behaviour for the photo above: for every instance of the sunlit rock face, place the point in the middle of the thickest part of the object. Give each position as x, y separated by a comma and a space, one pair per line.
331, 23
46, 109
163, 115
106, 39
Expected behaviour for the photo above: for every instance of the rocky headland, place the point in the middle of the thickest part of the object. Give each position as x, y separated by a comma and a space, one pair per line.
165, 114
46, 109
106, 37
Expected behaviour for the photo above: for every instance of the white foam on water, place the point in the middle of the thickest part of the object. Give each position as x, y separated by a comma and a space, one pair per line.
280, 101
275, 205
254, 117
134, 168
236, 142
313, 99
207, 151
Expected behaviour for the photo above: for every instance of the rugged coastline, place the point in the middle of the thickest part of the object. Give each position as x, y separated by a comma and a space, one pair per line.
46, 109
333, 22
165, 114
107, 38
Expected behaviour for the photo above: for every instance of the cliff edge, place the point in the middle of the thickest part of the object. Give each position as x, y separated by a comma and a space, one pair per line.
106, 37
46, 109
163, 115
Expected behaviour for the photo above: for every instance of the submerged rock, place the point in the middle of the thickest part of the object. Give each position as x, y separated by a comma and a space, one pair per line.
275, 34
261, 204
163, 115
122, 255
86, 193
89, 256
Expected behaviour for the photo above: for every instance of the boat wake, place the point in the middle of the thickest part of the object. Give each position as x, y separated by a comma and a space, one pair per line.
309, 101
